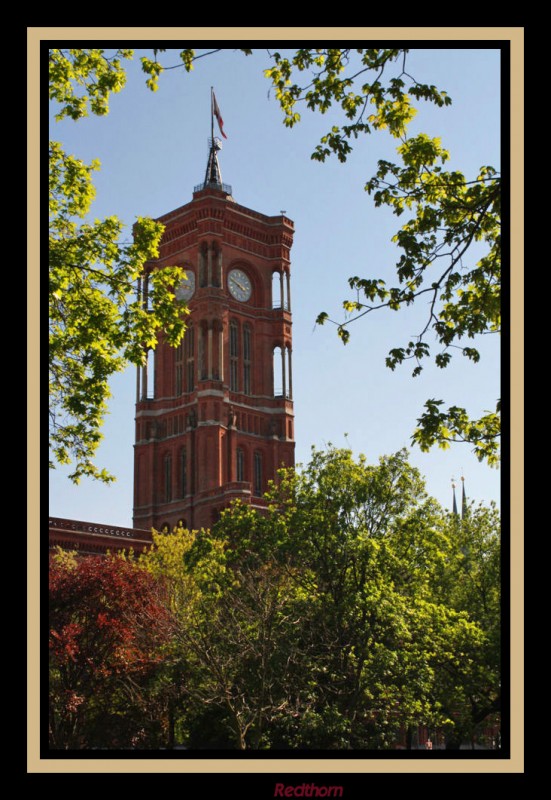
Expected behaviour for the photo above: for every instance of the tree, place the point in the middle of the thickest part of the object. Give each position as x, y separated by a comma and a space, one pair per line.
352, 610
371, 549
451, 246
472, 584
348, 612
108, 627
455, 219
97, 322
235, 648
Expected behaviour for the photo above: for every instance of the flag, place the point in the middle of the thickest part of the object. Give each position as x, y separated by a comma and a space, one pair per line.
218, 115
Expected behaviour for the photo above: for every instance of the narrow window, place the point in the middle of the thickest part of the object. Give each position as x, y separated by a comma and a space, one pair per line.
216, 265
150, 374
183, 472
203, 265
234, 356
178, 359
201, 352
276, 290
278, 371
240, 464
168, 477
247, 359
285, 291
258, 474
189, 345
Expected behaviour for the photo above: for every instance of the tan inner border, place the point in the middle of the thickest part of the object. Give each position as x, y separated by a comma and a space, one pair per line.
280, 765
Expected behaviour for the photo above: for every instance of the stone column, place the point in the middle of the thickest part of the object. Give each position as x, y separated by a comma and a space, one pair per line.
290, 357
144, 377
288, 277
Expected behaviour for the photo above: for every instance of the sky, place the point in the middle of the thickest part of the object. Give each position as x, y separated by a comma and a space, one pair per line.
153, 151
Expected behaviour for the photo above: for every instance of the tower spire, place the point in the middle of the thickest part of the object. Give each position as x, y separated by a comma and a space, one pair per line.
464, 509
454, 504
213, 175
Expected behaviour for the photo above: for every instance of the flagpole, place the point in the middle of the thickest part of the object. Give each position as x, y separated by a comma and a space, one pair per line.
212, 114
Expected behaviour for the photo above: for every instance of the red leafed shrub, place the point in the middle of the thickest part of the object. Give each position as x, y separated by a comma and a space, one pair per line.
108, 625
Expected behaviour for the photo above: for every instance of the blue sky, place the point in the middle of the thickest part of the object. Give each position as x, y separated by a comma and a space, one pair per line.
153, 151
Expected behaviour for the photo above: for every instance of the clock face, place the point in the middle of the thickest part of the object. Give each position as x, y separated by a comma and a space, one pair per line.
239, 285
187, 287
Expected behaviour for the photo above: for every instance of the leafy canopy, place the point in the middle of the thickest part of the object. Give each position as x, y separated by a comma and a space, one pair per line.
97, 325
351, 610
108, 629
450, 244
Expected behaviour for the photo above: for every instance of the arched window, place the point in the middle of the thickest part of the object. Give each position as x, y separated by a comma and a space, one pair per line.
258, 474
234, 356
276, 290
279, 376
150, 375
281, 290
146, 296
247, 357
240, 464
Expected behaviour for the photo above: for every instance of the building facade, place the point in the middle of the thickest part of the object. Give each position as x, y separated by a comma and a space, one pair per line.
214, 416
94, 538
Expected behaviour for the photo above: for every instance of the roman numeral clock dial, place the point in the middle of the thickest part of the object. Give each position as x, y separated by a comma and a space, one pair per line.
186, 289
239, 285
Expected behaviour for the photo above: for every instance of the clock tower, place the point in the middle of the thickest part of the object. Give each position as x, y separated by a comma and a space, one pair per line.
214, 416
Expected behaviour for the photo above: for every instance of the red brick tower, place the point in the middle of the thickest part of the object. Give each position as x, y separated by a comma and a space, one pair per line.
214, 417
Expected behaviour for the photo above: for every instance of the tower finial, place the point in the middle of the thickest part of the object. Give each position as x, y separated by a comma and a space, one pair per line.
213, 175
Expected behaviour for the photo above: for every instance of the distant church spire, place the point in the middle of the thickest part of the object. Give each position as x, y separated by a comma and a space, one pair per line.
454, 505
464, 509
